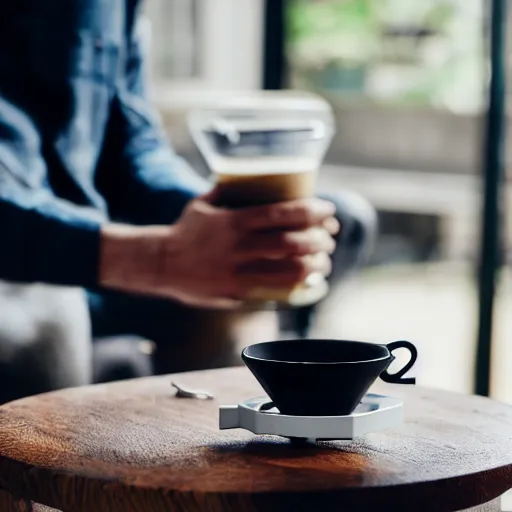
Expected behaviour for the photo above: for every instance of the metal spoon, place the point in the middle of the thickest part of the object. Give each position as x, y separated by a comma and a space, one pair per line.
182, 392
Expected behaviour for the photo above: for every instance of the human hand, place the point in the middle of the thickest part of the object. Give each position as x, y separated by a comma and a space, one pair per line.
213, 257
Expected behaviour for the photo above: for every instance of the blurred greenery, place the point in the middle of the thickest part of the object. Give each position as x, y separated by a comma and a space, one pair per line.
405, 52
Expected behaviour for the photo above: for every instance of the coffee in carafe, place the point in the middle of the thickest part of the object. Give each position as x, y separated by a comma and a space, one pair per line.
264, 149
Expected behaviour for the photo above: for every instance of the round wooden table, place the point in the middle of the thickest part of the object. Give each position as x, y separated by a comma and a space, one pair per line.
134, 446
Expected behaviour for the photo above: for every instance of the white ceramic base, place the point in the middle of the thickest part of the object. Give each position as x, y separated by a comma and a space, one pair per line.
376, 412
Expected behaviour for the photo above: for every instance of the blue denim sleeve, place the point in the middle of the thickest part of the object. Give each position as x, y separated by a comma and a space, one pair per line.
42, 238
142, 178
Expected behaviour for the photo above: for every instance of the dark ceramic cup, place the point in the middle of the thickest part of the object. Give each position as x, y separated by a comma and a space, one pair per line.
323, 377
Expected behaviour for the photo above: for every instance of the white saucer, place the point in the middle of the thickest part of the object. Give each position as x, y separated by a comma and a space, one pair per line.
374, 413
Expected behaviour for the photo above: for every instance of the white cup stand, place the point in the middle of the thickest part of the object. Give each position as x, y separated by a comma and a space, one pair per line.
261, 417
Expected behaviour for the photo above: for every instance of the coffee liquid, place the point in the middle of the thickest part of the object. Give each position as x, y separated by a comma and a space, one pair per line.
243, 190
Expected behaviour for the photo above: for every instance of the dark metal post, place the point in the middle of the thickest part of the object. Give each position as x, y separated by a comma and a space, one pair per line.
493, 171
274, 52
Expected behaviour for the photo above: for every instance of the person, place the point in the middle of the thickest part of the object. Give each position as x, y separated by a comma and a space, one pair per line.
93, 197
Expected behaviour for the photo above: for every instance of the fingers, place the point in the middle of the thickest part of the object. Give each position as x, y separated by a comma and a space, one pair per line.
290, 215
279, 244
332, 226
283, 273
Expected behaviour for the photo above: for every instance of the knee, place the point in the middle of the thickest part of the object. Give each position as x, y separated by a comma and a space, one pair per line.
362, 222
120, 359
44, 340
359, 228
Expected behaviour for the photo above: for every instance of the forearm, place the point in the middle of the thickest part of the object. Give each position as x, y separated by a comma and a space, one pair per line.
129, 256
161, 185
140, 175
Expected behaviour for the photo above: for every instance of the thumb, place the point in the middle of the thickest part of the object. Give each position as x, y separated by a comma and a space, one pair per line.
213, 197
210, 197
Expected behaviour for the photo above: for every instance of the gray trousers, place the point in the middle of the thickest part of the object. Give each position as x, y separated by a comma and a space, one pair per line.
46, 332
45, 339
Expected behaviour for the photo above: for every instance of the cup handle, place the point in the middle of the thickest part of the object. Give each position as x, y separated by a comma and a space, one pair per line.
397, 378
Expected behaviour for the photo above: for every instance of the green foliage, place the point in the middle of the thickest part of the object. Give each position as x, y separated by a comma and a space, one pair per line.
355, 35
308, 19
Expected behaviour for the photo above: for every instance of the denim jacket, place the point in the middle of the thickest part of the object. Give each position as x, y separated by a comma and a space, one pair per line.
79, 142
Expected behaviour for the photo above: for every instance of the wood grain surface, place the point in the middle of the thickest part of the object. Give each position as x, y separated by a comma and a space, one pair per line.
133, 446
